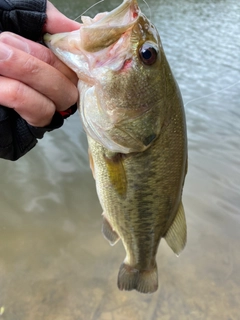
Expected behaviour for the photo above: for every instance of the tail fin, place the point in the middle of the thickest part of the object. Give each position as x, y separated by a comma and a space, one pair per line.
145, 281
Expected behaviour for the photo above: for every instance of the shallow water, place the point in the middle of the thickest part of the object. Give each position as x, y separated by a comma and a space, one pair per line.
54, 262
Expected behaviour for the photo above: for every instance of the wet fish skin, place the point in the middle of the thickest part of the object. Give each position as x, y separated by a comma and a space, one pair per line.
143, 214
134, 119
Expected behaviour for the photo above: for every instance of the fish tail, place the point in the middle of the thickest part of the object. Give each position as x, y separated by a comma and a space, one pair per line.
127, 277
148, 281
130, 278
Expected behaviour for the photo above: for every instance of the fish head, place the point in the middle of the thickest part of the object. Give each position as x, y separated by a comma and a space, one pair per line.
123, 76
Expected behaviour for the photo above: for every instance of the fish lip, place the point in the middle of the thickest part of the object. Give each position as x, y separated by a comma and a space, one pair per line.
117, 14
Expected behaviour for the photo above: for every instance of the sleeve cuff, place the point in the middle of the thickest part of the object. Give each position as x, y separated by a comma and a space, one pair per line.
25, 18
57, 122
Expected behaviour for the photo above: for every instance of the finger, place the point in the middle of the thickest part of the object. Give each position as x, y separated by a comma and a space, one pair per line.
39, 51
39, 75
57, 22
32, 106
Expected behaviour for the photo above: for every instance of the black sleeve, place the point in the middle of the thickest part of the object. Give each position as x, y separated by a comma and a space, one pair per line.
24, 17
17, 137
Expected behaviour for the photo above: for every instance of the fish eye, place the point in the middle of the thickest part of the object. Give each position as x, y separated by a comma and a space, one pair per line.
148, 53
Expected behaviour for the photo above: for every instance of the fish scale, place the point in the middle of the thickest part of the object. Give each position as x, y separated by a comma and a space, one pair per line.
133, 115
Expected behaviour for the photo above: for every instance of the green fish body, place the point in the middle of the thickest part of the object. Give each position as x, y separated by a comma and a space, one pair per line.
133, 115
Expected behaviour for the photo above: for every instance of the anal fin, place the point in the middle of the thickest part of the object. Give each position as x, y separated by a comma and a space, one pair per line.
176, 236
109, 233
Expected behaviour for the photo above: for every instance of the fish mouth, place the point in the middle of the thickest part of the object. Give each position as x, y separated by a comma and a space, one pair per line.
118, 15
107, 28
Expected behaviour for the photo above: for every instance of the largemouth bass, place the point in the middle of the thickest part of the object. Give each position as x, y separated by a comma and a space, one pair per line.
133, 115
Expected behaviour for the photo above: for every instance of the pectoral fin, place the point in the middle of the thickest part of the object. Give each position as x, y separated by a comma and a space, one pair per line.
91, 163
176, 235
117, 173
109, 233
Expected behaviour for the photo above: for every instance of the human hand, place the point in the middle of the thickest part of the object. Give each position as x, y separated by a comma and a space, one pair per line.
33, 81
58, 22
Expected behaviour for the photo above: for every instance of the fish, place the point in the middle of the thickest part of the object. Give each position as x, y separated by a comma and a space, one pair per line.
132, 111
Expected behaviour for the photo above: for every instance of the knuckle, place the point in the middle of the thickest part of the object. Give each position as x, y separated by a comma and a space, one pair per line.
47, 56
43, 113
69, 97
73, 98
30, 65
22, 100
48, 109
17, 94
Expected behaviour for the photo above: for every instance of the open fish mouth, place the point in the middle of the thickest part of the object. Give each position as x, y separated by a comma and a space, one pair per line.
93, 44
104, 29
107, 28
121, 15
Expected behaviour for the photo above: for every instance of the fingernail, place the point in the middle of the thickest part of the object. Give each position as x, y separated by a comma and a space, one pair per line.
14, 41
5, 52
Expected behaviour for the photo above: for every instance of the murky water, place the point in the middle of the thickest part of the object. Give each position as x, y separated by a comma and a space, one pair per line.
54, 262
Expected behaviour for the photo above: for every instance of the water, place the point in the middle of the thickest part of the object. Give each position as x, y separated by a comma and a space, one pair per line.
54, 262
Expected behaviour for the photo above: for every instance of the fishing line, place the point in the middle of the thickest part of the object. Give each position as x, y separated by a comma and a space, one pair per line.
88, 9
149, 9
210, 94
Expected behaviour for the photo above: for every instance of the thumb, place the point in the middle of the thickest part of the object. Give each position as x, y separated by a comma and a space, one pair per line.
58, 22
